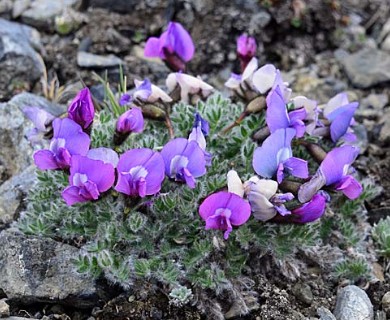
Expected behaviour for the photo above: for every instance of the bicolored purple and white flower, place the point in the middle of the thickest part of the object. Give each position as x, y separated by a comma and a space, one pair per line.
174, 46
106, 155
198, 133
41, 119
246, 49
339, 112
274, 157
88, 179
125, 99
189, 85
223, 210
277, 116
130, 121
184, 161
140, 172
312, 111
81, 109
147, 92
335, 171
68, 140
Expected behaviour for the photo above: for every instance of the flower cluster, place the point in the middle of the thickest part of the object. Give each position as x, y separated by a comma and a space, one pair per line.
283, 189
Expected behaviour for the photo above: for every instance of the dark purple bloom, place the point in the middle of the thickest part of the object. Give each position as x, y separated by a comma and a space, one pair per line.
223, 210
274, 157
125, 99
88, 179
40, 118
184, 161
81, 110
197, 134
68, 140
277, 116
246, 49
202, 123
130, 121
311, 210
140, 172
106, 155
334, 171
175, 46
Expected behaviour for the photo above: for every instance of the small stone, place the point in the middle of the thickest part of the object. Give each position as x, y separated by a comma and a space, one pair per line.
353, 303
367, 67
303, 293
386, 303
4, 309
90, 60
123, 6
259, 21
380, 315
325, 314
384, 135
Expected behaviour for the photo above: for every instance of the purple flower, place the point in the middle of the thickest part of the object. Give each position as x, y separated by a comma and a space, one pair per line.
40, 118
174, 46
334, 171
68, 140
197, 134
223, 210
130, 121
264, 78
246, 49
140, 172
311, 210
88, 179
184, 161
277, 116
202, 123
147, 92
234, 81
274, 157
125, 99
81, 110
106, 155
312, 111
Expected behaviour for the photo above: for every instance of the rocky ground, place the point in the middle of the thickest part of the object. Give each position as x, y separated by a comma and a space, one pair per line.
323, 47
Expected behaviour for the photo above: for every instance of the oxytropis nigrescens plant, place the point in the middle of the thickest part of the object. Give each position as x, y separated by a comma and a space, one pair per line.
139, 185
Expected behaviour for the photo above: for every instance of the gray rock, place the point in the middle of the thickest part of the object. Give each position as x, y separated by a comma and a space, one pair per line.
367, 67
19, 7
259, 21
40, 270
386, 303
12, 193
41, 13
117, 5
380, 315
4, 308
303, 293
325, 314
18, 318
90, 60
20, 65
384, 135
353, 303
29, 99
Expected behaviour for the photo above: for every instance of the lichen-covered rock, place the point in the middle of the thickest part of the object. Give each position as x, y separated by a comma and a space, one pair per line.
40, 270
353, 303
20, 64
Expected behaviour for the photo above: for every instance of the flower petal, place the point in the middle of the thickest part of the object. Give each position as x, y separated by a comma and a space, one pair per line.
106, 155
45, 160
350, 187
310, 211
71, 196
264, 78
297, 167
276, 117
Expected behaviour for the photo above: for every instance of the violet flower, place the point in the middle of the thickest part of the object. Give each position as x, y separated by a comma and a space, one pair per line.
140, 172
246, 49
223, 210
310, 211
88, 179
312, 111
81, 110
68, 140
174, 46
125, 99
277, 116
130, 121
339, 111
274, 157
197, 134
106, 155
334, 171
184, 161
41, 119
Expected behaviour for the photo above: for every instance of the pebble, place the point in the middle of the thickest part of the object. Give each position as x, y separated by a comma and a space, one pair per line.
386, 303
384, 135
4, 309
367, 67
353, 303
303, 293
90, 60
325, 314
